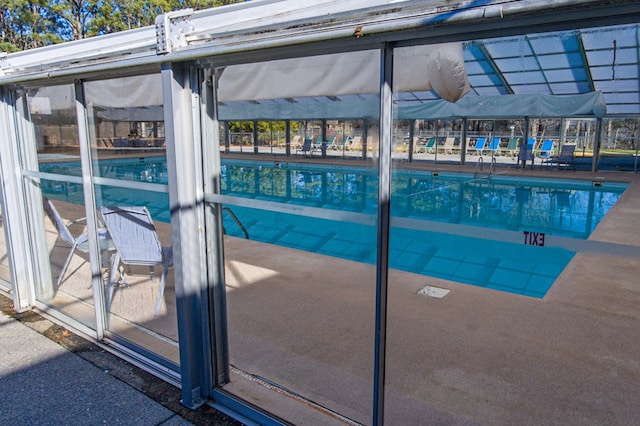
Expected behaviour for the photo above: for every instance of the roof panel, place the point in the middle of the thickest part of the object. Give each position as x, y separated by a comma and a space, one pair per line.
531, 88
557, 43
607, 57
617, 85
474, 67
602, 38
561, 60
554, 63
569, 88
508, 47
484, 80
619, 71
517, 64
490, 90
615, 109
620, 98
568, 74
528, 77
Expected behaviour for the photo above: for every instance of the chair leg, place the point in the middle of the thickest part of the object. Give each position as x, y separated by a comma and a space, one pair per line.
66, 265
115, 262
163, 280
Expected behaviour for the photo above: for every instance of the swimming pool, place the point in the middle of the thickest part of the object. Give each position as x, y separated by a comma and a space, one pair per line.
570, 209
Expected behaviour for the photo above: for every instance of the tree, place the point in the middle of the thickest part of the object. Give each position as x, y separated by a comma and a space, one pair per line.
73, 16
28, 24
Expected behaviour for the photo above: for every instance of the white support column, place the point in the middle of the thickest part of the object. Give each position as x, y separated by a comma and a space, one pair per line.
15, 221
215, 233
182, 131
90, 206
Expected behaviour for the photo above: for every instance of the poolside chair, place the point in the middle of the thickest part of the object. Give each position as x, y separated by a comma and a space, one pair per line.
331, 143
448, 146
427, 147
317, 143
512, 146
546, 149
356, 143
343, 144
526, 152
480, 145
137, 244
565, 157
494, 145
80, 242
307, 147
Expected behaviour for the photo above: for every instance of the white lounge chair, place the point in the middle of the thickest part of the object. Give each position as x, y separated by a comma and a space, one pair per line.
80, 242
137, 243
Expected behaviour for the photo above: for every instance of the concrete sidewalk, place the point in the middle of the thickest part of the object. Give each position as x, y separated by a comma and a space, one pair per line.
49, 376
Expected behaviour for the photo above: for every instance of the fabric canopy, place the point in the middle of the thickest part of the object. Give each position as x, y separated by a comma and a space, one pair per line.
507, 106
504, 106
434, 67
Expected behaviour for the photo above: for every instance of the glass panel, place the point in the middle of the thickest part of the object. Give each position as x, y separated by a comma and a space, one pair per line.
582, 134
5, 272
57, 209
70, 290
241, 136
126, 118
53, 114
619, 149
298, 233
130, 171
484, 263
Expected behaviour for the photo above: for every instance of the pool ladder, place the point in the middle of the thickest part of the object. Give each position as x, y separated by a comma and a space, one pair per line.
480, 165
237, 221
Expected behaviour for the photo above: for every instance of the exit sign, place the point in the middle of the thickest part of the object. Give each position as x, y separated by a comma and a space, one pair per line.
534, 238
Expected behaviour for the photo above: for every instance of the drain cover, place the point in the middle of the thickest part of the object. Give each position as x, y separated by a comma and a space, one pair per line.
431, 291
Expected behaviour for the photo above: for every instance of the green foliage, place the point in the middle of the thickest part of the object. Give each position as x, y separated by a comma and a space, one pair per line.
28, 24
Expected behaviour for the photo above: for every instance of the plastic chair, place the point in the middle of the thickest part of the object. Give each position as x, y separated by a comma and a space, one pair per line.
137, 243
480, 145
546, 150
80, 242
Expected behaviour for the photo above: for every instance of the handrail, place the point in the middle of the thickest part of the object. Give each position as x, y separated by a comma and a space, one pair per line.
237, 221
492, 168
478, 164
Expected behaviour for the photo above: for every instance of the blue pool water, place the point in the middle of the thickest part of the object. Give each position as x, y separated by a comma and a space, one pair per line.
553, 207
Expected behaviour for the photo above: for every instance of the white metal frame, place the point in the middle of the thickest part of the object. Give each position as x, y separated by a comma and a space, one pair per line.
261, 29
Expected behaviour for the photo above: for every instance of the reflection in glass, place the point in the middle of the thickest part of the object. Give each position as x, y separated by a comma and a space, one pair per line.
126, 116
139, 310
53, 114
454, 347
69, 289
299, 260
58, 213
5, 272
127, 144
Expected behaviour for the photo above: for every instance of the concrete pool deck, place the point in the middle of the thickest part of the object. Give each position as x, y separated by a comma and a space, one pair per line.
476, 356
305, 322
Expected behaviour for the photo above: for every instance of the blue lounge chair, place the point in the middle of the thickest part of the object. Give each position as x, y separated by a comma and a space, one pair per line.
494, 145
481, 143
546, 150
